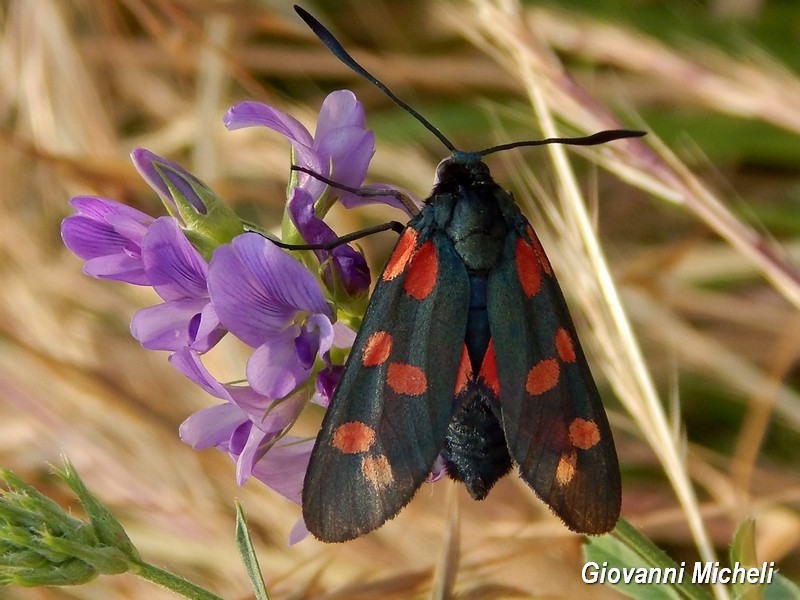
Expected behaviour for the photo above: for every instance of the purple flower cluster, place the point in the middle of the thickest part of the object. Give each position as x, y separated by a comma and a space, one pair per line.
215, 278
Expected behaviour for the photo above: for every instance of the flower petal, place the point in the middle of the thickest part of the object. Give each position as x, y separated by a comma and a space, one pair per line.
117, 267
212, 426
343, 336
268, 415
187, 362
206, 329
298, 533
284, 467
274, 368
327, 380
438, 470
156, 171
249, 114
339, 109
257, 288
173, 266
168, 326
324, 332
108, 234
250, 452
280, 413
104, 210
350, 151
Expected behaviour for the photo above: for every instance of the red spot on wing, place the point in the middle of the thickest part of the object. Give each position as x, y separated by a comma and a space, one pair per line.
488, 372
584, 434
464, 373
377, 349
406, 379
542, 377
422, 272
540, 255
401, 254
529, 272
353, 437
564, 346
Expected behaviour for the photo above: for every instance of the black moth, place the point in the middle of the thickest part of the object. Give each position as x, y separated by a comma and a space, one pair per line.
467, 351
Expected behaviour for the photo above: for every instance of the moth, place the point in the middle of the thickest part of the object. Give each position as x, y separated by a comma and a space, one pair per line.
467, 352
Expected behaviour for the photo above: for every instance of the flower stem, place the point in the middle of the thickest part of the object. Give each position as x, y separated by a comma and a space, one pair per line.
172, 582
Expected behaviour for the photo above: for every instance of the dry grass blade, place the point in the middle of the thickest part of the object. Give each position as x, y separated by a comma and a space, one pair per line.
447, 569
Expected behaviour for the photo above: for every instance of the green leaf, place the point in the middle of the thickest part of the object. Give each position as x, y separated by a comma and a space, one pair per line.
249, 558
625, 550
780, 589
743, 551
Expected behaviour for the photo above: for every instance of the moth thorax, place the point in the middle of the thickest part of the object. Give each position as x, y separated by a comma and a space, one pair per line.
477, 229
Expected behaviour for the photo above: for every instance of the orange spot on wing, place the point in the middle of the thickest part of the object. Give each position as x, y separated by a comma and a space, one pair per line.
401, 255
542, 377
583, 434
540, 255
566, 468
529, 272
422, 272
377, 349
464, 373
377, 470
406, 379
488, 372
564, 347
353, 437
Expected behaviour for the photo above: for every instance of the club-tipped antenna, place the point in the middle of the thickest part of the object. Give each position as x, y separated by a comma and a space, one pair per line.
326, 37
601, 137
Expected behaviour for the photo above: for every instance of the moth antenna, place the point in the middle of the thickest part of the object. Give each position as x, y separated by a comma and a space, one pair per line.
336, 48
601, 137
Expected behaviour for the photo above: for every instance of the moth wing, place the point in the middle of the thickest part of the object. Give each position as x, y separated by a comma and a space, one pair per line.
387, 420
555, 425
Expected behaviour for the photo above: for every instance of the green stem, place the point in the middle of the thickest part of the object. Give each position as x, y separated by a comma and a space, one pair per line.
172, 582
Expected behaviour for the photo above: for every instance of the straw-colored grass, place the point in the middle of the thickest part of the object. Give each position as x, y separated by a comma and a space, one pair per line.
687, 308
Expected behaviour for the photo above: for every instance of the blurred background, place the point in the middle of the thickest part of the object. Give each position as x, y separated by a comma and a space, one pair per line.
699, 223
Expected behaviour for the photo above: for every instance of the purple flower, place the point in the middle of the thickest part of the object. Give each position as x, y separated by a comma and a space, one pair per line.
250, 428
325, 385
280, 464
270, 416
271, 302
192, 202
340, 148
168, 179
243, 424
251, 287
348, 264
108, 236
177, 272
284, 467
